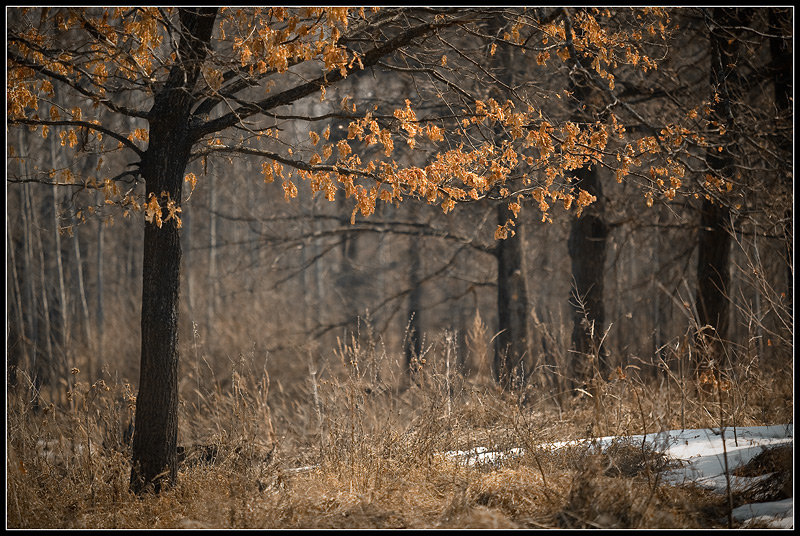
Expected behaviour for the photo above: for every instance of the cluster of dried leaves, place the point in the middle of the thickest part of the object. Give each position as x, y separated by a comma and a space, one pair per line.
482, 147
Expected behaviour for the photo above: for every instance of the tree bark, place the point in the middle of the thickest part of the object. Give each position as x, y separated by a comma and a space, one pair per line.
155, 462
782, 80
156, 424
87, 324
513, 359
587, 246
100, 353
211, 295
45, 366
413, 349
713, 259
713, 275
513, 342
587, 251
15, 339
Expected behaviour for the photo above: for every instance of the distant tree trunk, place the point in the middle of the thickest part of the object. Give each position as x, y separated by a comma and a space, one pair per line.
513, 349
45, 366
513, 342
413, 347
313, 289
713, 275
320, 289
15, 342
714, 240
350, 279
87, 324
782, 80
155, 461
99, 354
29, 329
211, 295
662, 307
59, 306
587, 250
587, 244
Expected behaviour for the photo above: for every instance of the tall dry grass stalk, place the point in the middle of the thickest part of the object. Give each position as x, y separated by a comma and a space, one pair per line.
478, 350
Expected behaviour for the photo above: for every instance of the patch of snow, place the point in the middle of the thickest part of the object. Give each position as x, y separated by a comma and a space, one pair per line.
302, 469
776, 514
482, 456
702, 456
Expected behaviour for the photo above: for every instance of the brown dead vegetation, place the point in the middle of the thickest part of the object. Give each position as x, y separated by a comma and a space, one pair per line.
356, 447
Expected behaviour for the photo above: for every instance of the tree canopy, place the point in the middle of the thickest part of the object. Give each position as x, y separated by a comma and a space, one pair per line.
111, 65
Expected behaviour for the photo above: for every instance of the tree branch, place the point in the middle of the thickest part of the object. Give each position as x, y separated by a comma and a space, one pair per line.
80, 124
105, 101
289, 96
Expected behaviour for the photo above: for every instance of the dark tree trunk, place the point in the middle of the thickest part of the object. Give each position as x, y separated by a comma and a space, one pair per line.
587, 251
713, 259
712, 267
780, 20
154, 463
512, 344
587, 245
513, 359
156, 425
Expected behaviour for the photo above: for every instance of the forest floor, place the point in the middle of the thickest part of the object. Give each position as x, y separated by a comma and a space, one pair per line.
334, 451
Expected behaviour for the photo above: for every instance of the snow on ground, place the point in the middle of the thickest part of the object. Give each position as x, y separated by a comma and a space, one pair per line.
776, 514
702, 456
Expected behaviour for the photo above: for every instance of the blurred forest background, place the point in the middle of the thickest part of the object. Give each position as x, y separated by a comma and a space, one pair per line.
287, 283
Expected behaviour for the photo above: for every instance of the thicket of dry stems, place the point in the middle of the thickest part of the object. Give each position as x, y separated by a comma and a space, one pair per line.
353, 441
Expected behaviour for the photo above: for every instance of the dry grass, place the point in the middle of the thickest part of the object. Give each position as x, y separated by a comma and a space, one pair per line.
348, 441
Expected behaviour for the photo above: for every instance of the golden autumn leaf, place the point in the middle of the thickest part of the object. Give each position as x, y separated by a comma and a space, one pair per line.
289, 190
191, 178
152, 211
